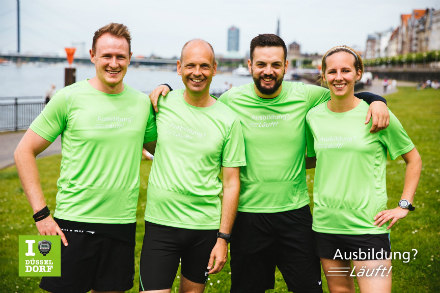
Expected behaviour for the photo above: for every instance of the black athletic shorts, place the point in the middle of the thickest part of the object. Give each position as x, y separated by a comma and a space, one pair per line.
92, 262
262, 241
164, 247
354, 247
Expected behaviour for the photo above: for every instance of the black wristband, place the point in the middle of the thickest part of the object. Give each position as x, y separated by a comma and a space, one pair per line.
370, 97
167, 86
42, 217
224, 236
41, 212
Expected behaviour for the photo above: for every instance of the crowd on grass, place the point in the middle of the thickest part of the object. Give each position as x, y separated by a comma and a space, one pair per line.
428, 84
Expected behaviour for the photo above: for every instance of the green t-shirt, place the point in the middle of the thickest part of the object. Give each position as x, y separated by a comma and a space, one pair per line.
350, 177
101, 139
193, 143
274, 179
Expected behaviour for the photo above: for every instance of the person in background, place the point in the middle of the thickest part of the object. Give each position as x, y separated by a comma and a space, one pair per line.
350, 212
49, 93
225, 87
428, 83
385, 84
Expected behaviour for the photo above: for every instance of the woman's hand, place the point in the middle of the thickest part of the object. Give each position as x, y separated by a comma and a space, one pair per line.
384, 216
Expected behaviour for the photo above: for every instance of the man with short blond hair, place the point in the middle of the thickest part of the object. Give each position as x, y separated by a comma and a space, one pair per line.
104, 124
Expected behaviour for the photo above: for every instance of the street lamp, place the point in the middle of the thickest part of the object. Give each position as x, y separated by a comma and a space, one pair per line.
414, 57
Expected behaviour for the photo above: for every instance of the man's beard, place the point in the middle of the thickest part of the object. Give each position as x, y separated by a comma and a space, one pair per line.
267, 91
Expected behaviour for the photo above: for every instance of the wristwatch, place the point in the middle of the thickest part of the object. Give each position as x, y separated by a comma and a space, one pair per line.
227, 237
404, 204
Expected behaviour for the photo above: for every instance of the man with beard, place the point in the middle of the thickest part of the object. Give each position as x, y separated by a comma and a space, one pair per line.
274, 224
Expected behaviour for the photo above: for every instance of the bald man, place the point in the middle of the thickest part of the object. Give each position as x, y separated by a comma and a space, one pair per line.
185, 220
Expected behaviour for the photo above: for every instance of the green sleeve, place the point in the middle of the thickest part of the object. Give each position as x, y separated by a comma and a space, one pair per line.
233, 154
53, 119
395, 138
310, 141
151, 129
316, 95
224, 98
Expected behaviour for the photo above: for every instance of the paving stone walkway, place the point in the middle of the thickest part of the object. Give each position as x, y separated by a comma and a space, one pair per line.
10, 140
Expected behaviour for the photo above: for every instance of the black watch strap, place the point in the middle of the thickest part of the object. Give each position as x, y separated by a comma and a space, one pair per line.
168, 86
411, 208
225, 236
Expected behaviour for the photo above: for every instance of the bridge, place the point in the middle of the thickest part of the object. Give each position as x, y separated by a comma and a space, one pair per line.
15, 57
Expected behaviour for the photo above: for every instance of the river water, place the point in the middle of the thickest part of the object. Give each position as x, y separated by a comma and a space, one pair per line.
35, 79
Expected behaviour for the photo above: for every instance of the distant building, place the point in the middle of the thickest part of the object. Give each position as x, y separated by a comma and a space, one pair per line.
393, 43
370, 48
296, 59
416, 18
417, 32
434, 37
233, 39
423, 30
382, 40
293, 51
404, 44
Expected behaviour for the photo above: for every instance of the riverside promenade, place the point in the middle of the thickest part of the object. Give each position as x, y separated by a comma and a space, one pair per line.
10, 140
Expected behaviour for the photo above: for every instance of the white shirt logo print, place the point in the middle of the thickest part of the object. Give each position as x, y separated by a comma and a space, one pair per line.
271, 120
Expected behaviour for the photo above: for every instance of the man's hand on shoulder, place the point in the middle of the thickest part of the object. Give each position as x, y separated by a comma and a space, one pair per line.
154, 95
381, 117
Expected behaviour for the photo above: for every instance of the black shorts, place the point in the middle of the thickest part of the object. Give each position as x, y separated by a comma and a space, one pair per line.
262, 241
355, 247
164, 247
92, 262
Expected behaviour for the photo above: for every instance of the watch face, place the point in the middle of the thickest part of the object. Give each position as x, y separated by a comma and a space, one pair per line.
403, 203
44, 247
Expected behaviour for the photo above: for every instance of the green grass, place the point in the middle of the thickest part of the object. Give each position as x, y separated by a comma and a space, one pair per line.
418, 111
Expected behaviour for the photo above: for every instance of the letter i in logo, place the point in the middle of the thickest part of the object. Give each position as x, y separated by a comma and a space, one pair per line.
30, 248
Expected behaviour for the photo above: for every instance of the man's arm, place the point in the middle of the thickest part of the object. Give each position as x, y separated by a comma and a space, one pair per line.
29, 147
310, 143
378, 110
231, 190
161, 90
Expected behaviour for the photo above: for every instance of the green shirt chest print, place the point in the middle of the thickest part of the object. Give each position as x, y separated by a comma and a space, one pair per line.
102, 137
193, 144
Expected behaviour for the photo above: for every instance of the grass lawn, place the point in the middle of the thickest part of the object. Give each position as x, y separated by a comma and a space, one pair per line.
418, 111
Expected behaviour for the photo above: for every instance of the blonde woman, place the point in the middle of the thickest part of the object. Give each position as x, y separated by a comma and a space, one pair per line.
350, 218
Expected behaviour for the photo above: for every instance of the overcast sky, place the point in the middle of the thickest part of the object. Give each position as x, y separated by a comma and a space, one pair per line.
163, 26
